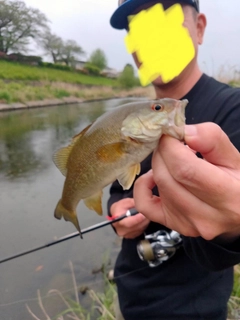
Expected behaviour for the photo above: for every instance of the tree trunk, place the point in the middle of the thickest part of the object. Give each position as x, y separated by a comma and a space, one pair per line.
1, 42
54, 57
66, 61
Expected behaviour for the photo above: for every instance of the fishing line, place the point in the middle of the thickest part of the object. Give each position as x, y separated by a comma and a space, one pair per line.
69, 290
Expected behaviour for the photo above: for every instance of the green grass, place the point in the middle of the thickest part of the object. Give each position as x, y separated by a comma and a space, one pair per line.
22, 83
13, 91
234, 301
60, 93
5, 96
18, 72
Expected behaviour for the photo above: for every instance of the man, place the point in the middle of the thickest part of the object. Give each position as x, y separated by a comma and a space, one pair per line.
195, 283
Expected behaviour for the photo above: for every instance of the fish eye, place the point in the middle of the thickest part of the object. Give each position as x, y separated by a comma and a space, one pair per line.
157, 107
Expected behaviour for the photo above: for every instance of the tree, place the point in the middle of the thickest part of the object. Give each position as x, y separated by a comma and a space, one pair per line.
52, 45
19, 24
98, 59
70, 51
127, 78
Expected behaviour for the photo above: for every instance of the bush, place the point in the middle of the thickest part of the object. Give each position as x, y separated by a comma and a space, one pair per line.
54, 66
18, 57
98, 59
93, 70
127, 78
5, 97
60, 93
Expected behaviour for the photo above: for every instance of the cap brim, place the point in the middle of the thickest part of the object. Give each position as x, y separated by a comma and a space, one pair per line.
119, 19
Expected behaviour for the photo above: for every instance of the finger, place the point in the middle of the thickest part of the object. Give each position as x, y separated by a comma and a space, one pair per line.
213, 144
206, 181
142, 193
141, 227
162, 210
175, 197
130, 222
131, 226
120, 207
177, 209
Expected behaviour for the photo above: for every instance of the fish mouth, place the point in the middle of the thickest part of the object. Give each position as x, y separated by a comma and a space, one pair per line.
177, 121
179, 118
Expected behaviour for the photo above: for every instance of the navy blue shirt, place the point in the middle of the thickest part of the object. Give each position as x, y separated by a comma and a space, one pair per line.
195, 284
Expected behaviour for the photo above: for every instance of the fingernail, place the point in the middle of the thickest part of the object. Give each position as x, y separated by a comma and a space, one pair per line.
190, 130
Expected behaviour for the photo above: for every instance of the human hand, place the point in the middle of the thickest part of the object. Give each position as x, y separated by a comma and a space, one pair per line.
197, 197
131, 227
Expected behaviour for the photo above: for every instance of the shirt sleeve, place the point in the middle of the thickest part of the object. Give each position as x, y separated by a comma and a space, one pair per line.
116, 194
211, 255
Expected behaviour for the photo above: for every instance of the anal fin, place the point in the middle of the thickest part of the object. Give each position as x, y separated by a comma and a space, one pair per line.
95, 202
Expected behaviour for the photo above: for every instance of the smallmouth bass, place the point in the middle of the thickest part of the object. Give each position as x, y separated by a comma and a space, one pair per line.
112, 148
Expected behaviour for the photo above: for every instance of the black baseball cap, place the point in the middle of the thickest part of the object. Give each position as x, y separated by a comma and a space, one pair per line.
127, 7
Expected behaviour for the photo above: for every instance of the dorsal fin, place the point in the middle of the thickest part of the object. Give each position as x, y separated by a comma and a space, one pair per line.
79, 135
60, 157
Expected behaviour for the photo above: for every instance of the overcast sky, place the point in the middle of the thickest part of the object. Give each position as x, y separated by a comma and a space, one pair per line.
87, 22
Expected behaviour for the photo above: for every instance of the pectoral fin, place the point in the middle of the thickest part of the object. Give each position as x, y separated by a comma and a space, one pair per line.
95, 202
128, 176
60, 157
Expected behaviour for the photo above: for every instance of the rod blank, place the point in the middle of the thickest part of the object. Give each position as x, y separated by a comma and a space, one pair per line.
129, 213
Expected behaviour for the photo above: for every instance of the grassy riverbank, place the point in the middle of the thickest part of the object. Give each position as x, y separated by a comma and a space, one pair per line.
20, 72
21, 91
21, 84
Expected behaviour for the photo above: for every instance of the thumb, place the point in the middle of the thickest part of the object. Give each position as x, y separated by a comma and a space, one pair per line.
214, 145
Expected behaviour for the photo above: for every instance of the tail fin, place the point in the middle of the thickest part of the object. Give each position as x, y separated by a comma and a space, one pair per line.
68, 215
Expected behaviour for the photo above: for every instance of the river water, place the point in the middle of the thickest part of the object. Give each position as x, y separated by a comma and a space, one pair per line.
30, 186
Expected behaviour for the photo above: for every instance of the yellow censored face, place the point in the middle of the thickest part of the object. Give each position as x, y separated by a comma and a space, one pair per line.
162, 44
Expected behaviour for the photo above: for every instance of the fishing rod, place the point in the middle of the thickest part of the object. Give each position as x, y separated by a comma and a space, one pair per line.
129, 213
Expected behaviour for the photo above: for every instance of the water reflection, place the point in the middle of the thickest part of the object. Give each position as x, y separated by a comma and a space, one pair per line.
30, 187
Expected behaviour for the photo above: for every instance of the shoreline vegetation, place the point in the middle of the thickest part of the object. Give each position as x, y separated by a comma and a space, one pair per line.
24, 86
82, 94
103, 302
